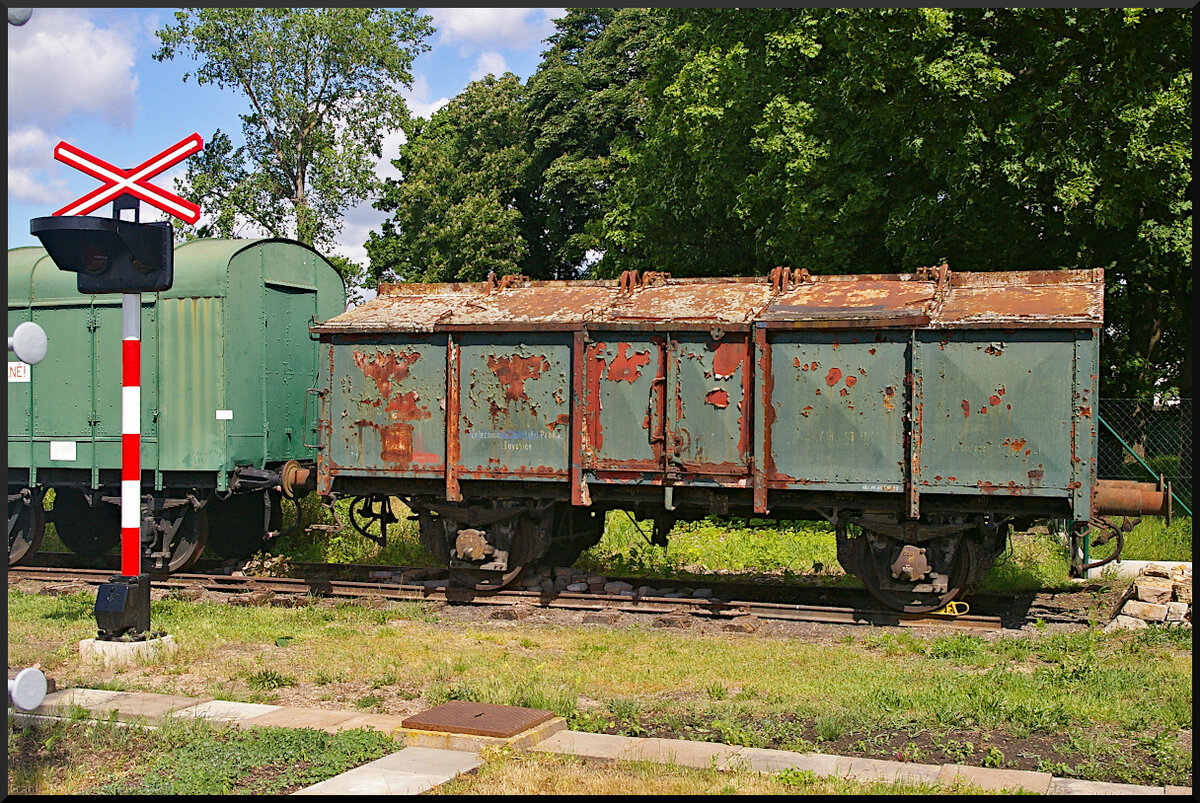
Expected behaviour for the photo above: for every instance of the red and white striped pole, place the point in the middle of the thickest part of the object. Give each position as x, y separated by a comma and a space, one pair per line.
131, 434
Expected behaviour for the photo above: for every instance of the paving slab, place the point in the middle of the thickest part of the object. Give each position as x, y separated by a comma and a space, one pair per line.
140, 705
469, 742
760, 759
318, 718
991, 779
62, 702
678, 751
410, 771
1074, 786
385, 723
593, 745
226, 710
873, 769
1178, 790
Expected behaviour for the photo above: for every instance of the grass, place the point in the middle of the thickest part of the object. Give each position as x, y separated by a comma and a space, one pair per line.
757, 691
181, 757
196, 758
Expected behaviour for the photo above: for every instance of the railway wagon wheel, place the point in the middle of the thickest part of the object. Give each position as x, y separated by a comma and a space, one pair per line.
238, 526
884, 555
484, 581
26, 526
85, 529
485, 549
181, 533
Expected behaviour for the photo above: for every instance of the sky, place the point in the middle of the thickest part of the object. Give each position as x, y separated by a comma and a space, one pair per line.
86, 76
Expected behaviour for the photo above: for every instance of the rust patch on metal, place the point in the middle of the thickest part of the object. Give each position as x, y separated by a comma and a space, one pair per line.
966, 405
514, 370
851, 380
627, 368
1016, 444
396, 440
718, 398
727, 358
834, 375
385, 367
404, 407
889, 394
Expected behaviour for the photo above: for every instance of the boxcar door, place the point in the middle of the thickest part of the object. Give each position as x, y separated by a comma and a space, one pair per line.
624, 381
708, 426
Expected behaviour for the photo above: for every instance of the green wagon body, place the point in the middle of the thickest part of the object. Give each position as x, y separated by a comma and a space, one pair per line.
227, 362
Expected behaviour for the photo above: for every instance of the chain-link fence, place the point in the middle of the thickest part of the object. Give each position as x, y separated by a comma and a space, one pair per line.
1160, 436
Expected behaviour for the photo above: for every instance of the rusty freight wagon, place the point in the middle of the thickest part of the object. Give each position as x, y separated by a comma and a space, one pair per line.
921, 414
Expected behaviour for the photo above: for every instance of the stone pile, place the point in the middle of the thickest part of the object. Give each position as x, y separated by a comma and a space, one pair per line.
1160, 595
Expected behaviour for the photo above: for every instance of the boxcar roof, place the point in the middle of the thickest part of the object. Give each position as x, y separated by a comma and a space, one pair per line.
200, 270
932, 298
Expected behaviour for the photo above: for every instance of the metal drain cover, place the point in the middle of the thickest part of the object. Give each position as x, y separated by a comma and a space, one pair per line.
477, 719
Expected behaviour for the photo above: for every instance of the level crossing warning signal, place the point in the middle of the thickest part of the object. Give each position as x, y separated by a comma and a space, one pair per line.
133, 182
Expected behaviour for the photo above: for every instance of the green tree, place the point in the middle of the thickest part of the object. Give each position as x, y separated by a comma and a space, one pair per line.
861, 140
515, 179
322, 85
459, 205
582, 112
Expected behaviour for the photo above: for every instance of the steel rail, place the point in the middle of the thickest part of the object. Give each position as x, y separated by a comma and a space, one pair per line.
567, 600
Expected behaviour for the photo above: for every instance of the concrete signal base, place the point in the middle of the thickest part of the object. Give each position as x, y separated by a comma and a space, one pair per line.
124, 653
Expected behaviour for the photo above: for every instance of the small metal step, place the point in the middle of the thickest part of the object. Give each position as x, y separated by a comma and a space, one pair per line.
477, 719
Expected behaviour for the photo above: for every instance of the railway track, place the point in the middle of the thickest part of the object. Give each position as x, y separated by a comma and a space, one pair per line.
321, 581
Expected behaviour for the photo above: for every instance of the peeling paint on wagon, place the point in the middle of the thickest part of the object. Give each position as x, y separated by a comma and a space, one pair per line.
717, 397
627, 368
385, 368
514, 370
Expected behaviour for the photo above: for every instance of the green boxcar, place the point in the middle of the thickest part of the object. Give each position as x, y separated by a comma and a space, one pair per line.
227, 363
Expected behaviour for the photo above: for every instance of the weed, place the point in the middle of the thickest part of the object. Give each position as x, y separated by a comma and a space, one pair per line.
369, 702
794, 776
717, 691
910, 753
1058, 768
829, 727
737, 733
589, 722
388, 679
993, 756
958, 751
269, 680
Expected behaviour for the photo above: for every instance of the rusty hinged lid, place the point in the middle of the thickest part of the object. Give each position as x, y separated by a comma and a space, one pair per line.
478, 719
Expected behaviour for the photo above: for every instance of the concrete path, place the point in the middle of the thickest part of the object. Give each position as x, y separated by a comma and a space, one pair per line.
434, 758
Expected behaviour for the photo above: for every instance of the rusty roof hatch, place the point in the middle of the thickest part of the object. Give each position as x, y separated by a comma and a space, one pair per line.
477, 719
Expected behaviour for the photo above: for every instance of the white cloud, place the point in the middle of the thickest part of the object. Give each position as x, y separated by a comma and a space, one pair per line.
29, 168
489, 63
65, 65
518, 28
418, 98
